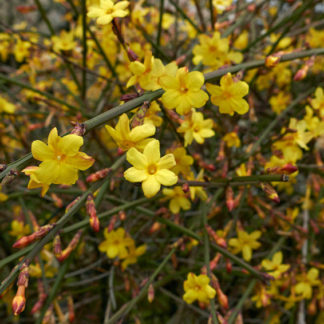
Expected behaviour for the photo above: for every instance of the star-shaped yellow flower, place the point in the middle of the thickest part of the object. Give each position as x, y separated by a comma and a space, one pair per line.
183, 91
229, 95
198, 288
61, 161
108, 10
150, 169
126, 138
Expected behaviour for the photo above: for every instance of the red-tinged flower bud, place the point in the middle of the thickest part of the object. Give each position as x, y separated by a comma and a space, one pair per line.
222, 298
271, 61
224, 169
150, 293
185, 188
312, 309
179, 60
57, 201
95, 223
71, 204
214, 262
71, 309
155, 227
259, 211
112, 222
122, 215
221, 153
32, 127
132, 55
301, 73
120, 151
126, 284
128, 96
218, 240
26, 9
49, 317
19, 301
91, 207
270, 192
251, 7
41, 297
98, 175
3, 167
72, 245
57, 246
230, 198
228, 266
79, 129
26, 240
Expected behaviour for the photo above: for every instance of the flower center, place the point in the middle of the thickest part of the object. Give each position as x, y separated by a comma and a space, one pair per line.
60, 157
183, 89
152, 169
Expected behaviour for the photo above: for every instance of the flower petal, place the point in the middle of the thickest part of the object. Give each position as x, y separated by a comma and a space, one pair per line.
167, 161
136, 158
135, 175
166, 177
69, 145
152, 152
80, 161
150, 186
41, 151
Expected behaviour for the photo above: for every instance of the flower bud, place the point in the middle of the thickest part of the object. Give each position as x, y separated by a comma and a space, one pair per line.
19, 301
26, 240
271, 61
270, 192
98, 175
150, 293
230, 198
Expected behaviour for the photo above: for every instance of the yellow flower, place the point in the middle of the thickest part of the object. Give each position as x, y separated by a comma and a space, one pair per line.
64, 42
152, 117
126, 138
196, 128
18, 229
301, 137
150, 169
183, 160
196, 190
6, 106
261, 297
178, 199
229, 95
280, 102
315, 38
214, 51
306, 282
245, 242
108, 10
318, 101
149, 73
231, 139
274, 266
198, 288
183, 91
21, 50
61, 161
116, 243
242, 41
133, 253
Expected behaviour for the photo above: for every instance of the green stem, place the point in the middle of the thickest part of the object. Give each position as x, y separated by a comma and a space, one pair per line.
158, 38
44, 17
85, 50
